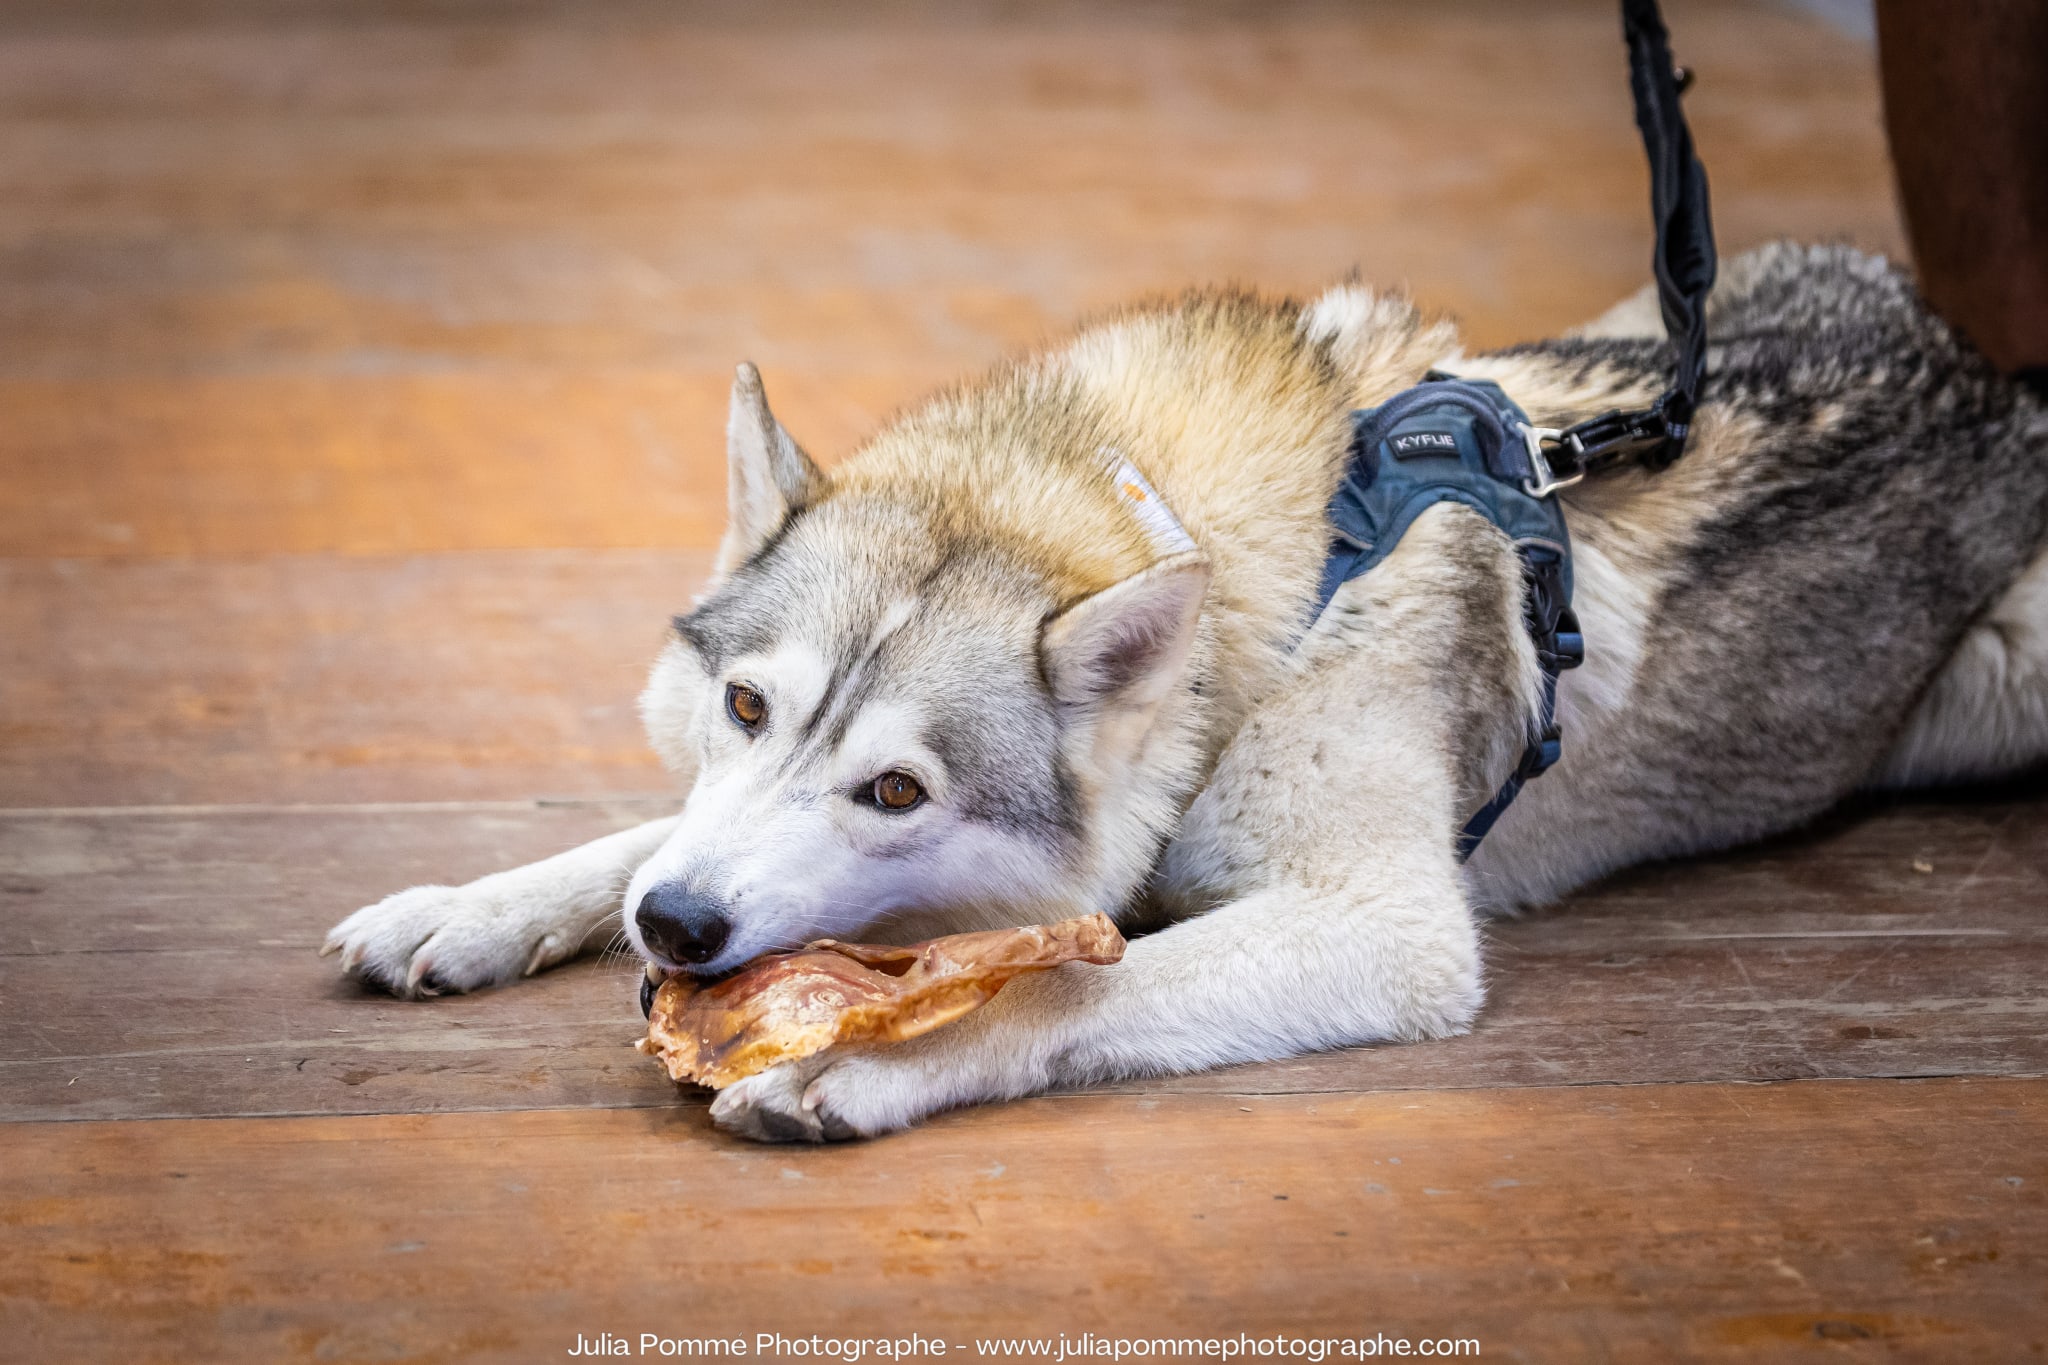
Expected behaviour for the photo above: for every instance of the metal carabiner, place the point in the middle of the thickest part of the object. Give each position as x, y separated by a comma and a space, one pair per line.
1546, 481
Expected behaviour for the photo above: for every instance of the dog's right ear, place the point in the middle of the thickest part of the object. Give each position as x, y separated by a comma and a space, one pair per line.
767, 475
1123, 648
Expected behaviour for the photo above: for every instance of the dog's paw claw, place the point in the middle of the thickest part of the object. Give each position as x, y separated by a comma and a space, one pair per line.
423, 981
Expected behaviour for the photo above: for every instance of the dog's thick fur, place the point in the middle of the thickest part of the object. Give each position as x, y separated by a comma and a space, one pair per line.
1842, 584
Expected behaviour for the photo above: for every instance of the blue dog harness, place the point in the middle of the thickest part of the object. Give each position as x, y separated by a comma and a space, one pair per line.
1464, 441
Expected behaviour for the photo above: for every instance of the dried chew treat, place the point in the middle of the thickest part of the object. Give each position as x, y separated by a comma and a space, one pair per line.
790, 1005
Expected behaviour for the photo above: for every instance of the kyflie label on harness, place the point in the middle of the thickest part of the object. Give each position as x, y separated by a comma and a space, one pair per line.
1408, 444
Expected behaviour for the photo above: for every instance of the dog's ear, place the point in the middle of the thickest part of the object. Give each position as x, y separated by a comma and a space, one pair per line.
1124, 646
767, 475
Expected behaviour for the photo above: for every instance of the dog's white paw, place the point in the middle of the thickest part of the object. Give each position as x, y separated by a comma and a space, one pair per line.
436, 940
828, 1100
769, 1107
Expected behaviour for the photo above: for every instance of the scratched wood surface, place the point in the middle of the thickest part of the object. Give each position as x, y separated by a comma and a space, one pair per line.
1898, 1221
363, 393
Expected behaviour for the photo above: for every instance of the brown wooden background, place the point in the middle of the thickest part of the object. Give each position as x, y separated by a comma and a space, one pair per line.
361, 376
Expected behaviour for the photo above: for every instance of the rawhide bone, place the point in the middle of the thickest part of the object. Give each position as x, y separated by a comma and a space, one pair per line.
790, 1005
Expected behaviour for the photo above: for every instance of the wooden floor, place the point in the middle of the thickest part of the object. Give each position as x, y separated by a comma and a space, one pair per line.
362, 377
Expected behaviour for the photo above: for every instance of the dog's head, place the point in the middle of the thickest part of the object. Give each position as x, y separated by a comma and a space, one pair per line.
897, 724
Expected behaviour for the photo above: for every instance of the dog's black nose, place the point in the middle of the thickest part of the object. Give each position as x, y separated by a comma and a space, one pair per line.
682, 925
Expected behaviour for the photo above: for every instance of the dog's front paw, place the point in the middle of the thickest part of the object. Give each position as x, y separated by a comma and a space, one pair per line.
828, 1100
436, 940
769, 1107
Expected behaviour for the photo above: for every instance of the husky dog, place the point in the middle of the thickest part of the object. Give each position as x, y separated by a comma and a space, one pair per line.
1040, 648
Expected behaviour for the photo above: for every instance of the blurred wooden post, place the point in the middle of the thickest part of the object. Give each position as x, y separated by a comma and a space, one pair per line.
1966, 106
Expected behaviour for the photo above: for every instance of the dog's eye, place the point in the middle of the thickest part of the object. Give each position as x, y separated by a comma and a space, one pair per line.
897, 791
747, 707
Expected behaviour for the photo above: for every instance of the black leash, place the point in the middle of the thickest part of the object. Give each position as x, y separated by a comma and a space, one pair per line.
1654, 437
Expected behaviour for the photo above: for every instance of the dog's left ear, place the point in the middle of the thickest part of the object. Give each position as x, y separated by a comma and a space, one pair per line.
767, 475
1124, 647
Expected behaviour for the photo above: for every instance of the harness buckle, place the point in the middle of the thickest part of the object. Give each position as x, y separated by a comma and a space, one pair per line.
1546, 480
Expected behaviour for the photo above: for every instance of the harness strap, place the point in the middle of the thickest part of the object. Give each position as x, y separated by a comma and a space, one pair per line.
1462, 441
1554, 630
1684, 263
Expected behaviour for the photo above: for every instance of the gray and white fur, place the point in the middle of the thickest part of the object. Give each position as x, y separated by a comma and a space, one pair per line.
1843, 584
